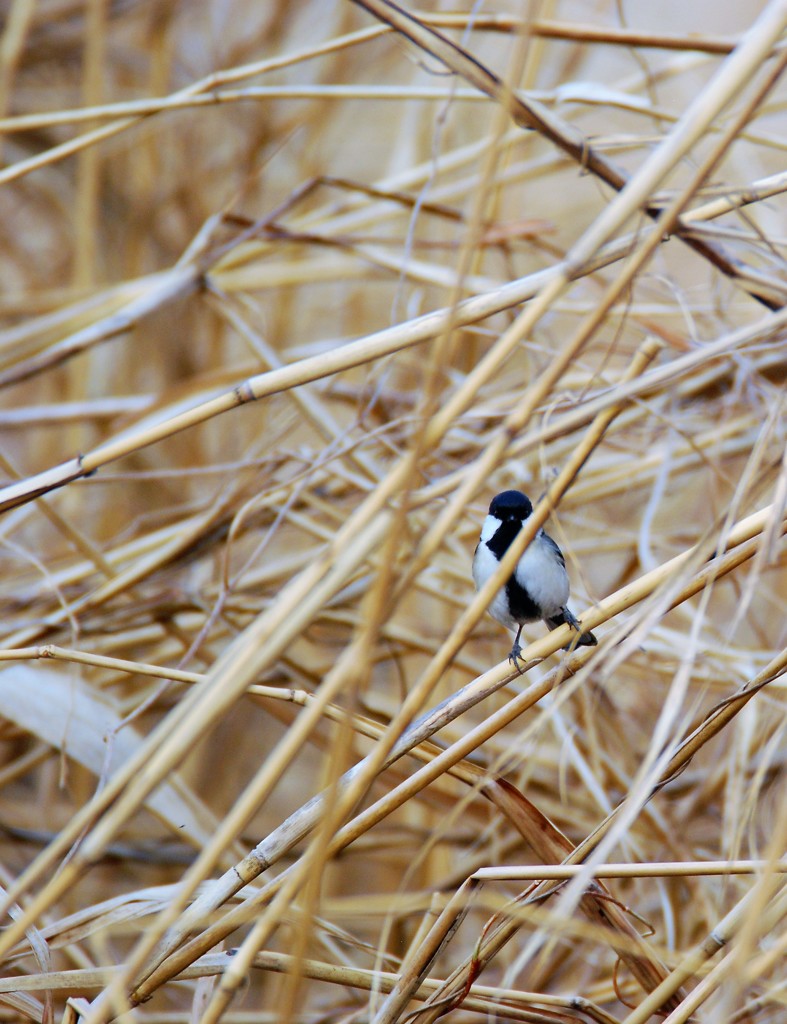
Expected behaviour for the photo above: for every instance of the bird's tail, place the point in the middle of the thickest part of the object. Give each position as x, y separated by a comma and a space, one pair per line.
566, 615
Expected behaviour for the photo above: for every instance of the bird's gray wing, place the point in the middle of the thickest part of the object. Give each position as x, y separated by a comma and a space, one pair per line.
554, 549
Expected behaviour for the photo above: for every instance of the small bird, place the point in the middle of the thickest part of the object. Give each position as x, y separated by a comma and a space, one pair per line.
538, 587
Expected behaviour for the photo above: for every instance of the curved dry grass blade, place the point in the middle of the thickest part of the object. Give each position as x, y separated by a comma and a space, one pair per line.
84, 726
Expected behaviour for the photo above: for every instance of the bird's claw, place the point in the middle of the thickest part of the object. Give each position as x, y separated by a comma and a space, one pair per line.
582, 639
571, 619
514, 656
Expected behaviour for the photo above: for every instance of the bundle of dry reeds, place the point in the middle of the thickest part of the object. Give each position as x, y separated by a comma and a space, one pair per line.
291, 291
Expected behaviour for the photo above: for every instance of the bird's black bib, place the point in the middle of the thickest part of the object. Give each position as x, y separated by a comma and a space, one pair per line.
521, 605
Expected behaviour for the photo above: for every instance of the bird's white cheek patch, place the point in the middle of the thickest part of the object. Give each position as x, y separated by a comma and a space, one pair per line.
490, 527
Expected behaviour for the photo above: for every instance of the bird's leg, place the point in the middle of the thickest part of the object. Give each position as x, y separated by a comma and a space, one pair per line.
516, 651
571, 619
584, 639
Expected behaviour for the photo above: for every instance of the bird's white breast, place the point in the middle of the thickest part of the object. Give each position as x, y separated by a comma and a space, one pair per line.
544, 576
484, 565
539, 571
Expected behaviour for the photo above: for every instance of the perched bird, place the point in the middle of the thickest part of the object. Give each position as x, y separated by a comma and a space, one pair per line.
538, 587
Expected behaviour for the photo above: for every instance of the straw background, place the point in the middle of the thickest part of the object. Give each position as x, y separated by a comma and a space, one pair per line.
290, 291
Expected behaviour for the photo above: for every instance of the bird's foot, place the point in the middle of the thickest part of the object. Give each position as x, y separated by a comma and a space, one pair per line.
514, 656
585, 639
571, 619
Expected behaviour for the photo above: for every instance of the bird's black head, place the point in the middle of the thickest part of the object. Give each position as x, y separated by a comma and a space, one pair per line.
510, 505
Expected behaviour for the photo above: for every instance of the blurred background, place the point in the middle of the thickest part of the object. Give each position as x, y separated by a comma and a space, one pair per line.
195, 194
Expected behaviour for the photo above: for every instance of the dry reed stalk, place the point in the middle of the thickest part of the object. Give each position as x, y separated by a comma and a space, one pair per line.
291, 348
